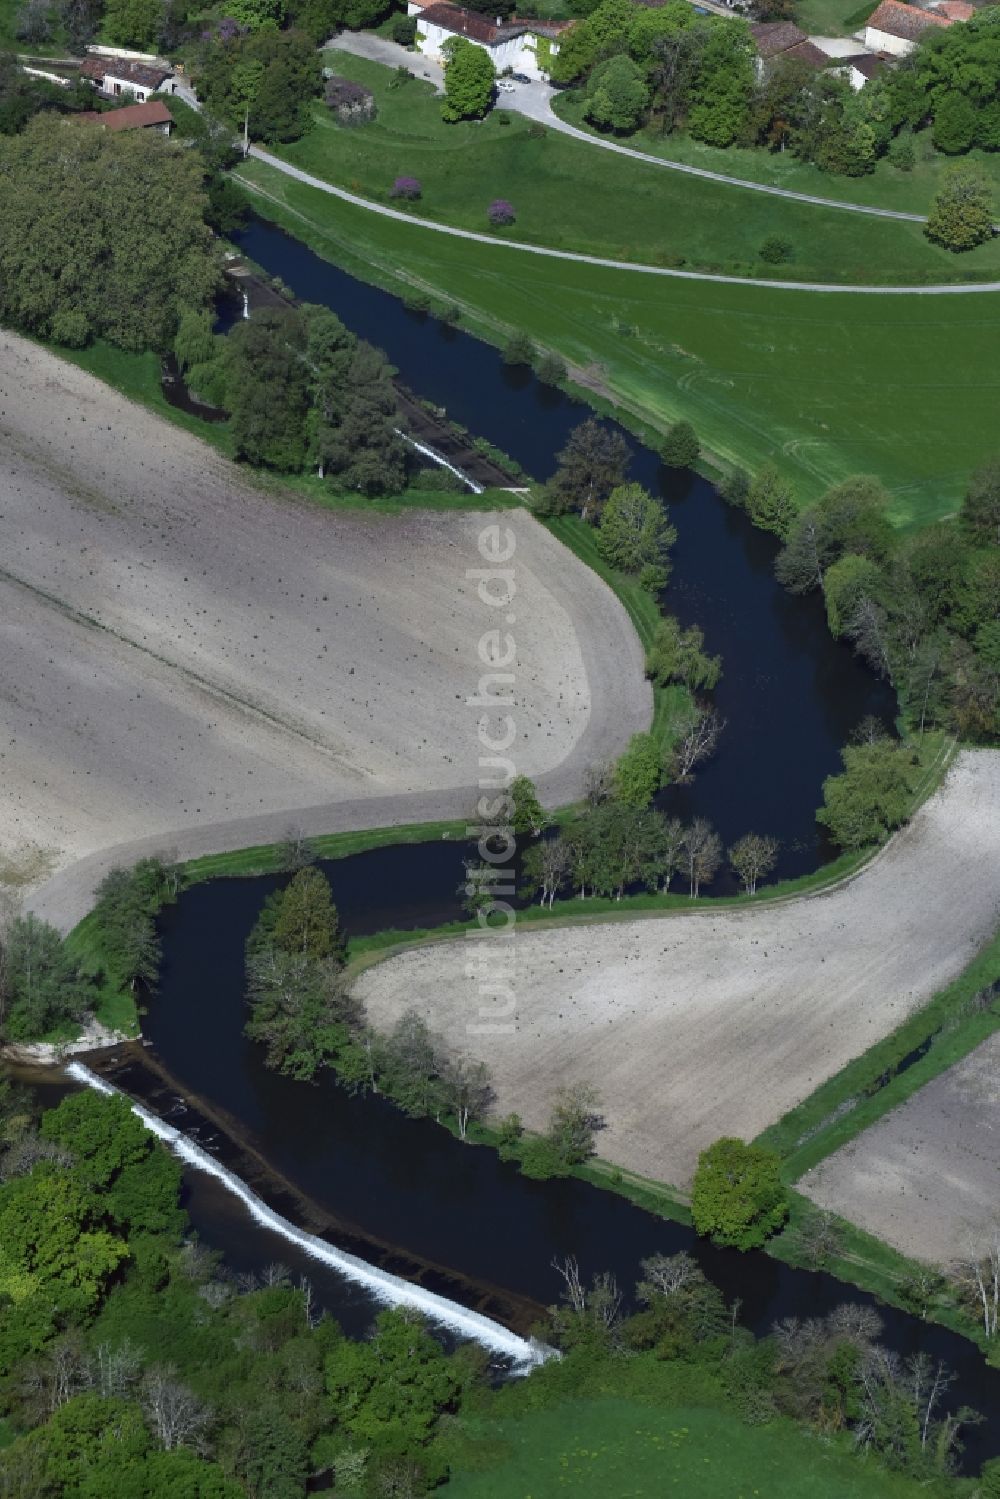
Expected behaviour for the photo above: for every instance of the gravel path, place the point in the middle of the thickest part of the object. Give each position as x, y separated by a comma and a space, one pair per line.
191, 662
706, 1024
946, 290
929, 1172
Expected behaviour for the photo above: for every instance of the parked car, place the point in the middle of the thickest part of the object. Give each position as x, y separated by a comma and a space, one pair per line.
520, 77
505, 86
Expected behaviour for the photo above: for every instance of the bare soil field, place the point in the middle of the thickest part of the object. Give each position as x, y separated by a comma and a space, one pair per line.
698, 1025
929, 1172
188, 660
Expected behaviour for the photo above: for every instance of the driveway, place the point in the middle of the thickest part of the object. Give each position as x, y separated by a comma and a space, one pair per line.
390, 54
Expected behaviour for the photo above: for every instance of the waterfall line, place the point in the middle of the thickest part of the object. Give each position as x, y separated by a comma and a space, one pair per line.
389, 1289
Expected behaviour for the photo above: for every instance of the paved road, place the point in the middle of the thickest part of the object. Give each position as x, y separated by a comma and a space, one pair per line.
535, 101
961, 289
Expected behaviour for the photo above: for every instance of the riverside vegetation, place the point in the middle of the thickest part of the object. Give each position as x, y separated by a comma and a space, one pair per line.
133, 1362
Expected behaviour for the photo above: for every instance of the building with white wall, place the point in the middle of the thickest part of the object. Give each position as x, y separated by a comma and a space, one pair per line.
523, 46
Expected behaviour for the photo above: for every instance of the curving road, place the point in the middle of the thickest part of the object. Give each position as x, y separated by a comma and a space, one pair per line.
947, 290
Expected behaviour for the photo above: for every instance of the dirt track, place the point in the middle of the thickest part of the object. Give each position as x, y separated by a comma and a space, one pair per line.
701, 1025
928, 1171
188, 661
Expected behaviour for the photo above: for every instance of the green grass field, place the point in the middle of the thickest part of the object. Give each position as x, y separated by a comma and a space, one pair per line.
823, 385
629, 211
602, 1448
886, 187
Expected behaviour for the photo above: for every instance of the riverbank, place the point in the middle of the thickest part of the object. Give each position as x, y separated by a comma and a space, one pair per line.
147, 717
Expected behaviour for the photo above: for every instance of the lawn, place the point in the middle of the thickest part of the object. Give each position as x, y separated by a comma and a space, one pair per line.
823, 385
608, 1447
886, 187
629, 210
833, 17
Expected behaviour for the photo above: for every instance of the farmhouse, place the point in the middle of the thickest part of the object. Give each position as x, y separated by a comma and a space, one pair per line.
153, 115
778, 41
896, 28
521, 45
861, 68
114, 76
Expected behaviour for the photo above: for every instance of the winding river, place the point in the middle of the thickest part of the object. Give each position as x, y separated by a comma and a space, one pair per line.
791, 697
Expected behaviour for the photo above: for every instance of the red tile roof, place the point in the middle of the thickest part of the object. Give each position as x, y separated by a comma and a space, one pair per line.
131, 117
773, 37
809, 53
479, 28
956, 10
905, 21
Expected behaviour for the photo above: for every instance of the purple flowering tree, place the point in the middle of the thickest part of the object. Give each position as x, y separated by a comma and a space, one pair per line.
408, 188
500, 212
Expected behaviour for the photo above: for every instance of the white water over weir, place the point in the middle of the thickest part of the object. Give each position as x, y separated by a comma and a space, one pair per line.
391, 1290
422, 447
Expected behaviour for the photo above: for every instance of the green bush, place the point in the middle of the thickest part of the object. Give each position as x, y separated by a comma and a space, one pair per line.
775, 250
738, 1199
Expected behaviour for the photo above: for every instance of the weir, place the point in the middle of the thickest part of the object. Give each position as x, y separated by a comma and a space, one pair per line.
389, 1289
437, 458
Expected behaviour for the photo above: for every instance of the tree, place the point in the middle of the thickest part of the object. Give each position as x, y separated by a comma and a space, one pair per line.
635, 533
769, 502
574, 1119
527, 814
469, 78
977, 1273
551, 369
518, 350
846, 584
961, 215
694, 733
722, 91
752, 859
591, 465
268, 389
176, 1416
849, 519
617, 95
140, 256
980, 514
42, 985
468, 1092
546, 866
305, 917
680, 447
702, 854
391, 1391
299, 1010
639, 771
737, 1198
677, 655
133, 23
871, 797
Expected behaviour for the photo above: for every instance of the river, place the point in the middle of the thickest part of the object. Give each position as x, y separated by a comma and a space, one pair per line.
790, 694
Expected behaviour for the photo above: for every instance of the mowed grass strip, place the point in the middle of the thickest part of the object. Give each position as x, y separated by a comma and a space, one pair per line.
824, 385
573, 196
599, 1448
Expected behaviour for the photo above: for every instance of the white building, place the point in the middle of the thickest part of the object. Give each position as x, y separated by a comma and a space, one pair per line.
114, 76
896, 28
523, 46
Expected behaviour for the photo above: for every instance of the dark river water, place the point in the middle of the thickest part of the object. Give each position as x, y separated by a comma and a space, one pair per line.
790, 694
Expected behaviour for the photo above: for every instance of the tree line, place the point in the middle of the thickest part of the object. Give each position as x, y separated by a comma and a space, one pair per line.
303, 393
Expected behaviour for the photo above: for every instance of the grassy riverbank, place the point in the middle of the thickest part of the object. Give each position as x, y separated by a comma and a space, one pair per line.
764, 375
631, 210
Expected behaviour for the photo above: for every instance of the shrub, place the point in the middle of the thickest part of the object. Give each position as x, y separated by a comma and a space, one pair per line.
961, 215
680, 447
518, 350
500, 212
403, 30
409, 189
775, 250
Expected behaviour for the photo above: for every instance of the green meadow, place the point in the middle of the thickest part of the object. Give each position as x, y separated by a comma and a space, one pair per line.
822, 384
573, 196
